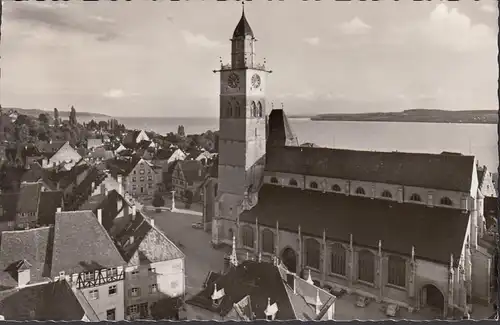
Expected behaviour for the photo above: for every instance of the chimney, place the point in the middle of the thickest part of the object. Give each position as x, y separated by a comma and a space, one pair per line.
93, 186
119, 178
134, 211
59, 209
131, 240
99, 215
152, 222
199, 172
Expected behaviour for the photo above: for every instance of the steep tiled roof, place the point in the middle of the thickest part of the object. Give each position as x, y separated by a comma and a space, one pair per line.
34, 246
8, 205
54, 301
81, 244
122, 166
149, 245
49, 202
280, 131
437, 171
29, 196
398, 225
260, 281
49, 149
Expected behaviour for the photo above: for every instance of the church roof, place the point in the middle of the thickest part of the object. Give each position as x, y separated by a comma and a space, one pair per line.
436, 171
243, 28
398, 225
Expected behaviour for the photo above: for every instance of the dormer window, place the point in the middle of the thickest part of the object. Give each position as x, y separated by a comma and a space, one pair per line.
446, 201
336, 188
360, 191
313, 185
415, 197
386, 194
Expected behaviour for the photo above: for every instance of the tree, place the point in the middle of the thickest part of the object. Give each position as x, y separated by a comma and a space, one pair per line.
188, 196
166, 308
43, 118
158, 201
72, 116
56, 117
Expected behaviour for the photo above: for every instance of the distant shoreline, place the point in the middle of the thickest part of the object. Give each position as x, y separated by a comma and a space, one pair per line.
413, 116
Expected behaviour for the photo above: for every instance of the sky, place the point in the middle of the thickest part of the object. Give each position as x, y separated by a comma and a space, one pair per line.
145, 58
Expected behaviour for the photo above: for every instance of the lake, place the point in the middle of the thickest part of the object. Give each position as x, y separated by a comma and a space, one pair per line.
476, 139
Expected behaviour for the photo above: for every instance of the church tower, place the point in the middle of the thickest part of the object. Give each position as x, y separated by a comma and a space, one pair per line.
242, 126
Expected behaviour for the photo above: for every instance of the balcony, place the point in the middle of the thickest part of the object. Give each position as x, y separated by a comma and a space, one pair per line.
256, 66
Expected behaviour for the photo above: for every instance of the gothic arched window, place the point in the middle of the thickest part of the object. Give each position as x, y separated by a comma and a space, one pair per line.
338, 259
415, 197
313, 185
274, 180
247, 236
260, 112
253, 109
360, 191
397, 271
239, 111
229, 110
267, 241
292, 182
312, 253
366, 266
446, 201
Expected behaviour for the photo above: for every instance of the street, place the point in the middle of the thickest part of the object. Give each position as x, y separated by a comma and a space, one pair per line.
201, 258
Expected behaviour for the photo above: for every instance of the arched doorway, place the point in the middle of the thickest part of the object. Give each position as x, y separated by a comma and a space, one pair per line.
289, 259
432, 297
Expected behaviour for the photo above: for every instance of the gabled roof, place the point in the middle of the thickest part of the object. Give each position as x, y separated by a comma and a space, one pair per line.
122, 166
193, 170
81, 244
280, 131
49, 148
34, 246
398, 225
149, 245
54, 301
259, 281
29, 196
436, 171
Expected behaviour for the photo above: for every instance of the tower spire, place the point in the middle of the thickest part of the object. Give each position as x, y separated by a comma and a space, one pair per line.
243, 7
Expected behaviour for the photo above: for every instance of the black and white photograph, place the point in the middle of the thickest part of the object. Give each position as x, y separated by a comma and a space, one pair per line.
249, 160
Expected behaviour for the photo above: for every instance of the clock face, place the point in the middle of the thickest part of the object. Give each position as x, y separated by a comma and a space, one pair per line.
256, 81
233, 80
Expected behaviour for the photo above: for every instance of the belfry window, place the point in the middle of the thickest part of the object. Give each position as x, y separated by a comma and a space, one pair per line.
259, 110
253, 110
336, 188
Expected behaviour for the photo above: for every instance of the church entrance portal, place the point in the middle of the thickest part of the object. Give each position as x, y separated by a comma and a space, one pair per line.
432, 297
289, 259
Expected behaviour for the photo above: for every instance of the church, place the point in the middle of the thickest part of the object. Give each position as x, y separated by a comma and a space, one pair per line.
399, 228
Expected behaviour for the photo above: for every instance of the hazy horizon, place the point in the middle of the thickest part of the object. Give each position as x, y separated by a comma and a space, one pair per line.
326, 57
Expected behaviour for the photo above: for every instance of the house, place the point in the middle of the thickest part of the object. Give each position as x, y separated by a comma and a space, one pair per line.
49, 301
256, 290
188, 176
101, 153
135, 137
85, 256
57, 153
154, 265
120, 148
206, 157
140, 177
94, 143
20, 209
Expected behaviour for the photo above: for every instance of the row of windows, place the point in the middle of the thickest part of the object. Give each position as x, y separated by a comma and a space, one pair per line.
361, 191
142, 179
141, 171
338, 265
134, 187
256, 110
366, 263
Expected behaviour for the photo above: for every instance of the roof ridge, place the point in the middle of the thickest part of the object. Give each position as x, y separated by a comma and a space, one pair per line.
162, 234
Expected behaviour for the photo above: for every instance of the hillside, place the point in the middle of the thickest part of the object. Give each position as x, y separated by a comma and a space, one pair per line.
417, 115
36, 112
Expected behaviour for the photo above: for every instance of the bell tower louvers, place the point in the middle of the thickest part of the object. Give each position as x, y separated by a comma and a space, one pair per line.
242, 122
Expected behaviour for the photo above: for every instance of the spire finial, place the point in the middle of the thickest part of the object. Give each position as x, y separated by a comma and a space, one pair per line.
282, 105
243, 7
